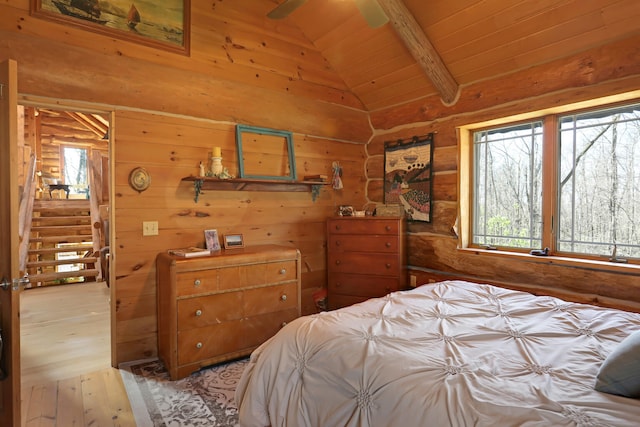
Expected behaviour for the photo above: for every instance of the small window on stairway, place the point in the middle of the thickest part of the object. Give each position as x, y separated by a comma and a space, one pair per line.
74, 166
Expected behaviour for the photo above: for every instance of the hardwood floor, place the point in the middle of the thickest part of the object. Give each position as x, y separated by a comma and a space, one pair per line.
67, 378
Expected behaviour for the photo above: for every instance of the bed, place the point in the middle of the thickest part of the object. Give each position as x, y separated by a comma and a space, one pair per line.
446, 354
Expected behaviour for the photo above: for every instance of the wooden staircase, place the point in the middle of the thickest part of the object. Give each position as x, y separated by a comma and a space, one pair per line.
61, 243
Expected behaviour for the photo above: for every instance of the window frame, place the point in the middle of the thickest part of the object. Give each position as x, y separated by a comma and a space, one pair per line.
550, 170
62, 163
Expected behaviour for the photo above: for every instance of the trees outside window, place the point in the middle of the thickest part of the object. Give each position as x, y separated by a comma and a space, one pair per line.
595, 157
75, 170
599, 188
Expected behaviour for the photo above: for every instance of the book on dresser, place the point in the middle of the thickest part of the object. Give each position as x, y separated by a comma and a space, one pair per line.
366, 258
189, 252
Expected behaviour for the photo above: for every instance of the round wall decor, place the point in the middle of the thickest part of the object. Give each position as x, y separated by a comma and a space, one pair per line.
139, 179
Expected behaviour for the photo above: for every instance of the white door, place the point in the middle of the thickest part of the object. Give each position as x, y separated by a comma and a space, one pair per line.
9, 247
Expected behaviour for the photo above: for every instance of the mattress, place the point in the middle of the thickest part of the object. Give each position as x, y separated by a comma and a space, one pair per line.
447, 354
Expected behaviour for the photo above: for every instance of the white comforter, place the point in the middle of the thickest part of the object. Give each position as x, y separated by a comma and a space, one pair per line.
448, 354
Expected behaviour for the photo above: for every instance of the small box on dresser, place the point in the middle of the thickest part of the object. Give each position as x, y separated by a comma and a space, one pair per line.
220, 307
366, 258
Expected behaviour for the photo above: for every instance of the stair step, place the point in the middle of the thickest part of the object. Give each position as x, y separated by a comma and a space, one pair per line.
48, 277
84, 219
61, 206
82, 260
78, 248
63, 229
63, 239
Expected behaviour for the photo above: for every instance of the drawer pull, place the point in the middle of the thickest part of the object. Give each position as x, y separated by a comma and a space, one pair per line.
388, 228
337, 262
283, 297
197, 282
199, 345
338, 284
387, 265
198, 312
388, 244
283, 271
338, 227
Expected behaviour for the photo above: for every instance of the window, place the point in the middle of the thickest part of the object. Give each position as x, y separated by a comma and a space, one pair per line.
74, 166
590, 174
599, 188
508, 186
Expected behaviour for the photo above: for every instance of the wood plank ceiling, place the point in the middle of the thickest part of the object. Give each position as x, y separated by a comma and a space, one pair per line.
476, 40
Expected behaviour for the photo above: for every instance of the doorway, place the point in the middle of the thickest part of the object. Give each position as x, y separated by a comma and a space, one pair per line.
69, 219
65, 312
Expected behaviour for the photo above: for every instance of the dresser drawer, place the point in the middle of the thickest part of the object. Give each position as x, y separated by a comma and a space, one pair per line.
258, 329
209, 310
363, 285
209, 341
364, 263
363, 226
196, 282
270, 298
234, 277
244, 276
197, 345
361, 243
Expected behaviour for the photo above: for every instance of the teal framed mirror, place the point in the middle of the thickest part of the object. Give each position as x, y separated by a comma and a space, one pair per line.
265, 153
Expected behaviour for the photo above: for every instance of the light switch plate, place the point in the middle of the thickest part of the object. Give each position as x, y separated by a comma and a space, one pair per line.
149, 228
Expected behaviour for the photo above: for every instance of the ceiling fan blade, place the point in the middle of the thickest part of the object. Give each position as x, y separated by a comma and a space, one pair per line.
372, 12
285, 8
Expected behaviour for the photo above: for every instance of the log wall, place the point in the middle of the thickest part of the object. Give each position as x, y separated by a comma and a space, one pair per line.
433, 247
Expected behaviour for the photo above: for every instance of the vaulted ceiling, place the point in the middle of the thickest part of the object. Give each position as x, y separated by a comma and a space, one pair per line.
475, 40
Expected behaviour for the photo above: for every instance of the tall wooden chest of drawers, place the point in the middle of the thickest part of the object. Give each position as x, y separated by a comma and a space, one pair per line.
366, 258
220, 307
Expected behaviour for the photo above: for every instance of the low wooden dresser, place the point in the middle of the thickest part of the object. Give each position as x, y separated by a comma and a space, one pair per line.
220, 307
366, 258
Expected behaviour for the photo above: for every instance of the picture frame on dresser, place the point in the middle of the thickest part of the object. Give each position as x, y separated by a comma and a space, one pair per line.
233, 241
211, 240
408, 176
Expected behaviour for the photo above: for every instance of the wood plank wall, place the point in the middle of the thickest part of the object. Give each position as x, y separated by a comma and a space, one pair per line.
433, 252
170, 110
171, 148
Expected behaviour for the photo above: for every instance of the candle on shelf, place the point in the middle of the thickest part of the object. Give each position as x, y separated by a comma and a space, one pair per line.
216, 152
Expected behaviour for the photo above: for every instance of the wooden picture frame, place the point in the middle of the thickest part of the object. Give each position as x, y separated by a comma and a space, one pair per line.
211, 240
233, 241
408, 176
265, 153
164, 24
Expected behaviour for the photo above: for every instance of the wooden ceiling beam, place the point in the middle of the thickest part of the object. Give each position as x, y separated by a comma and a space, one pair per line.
90, 122
414, 38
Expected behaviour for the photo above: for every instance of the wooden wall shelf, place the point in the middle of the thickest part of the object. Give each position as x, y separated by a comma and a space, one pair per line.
247, 184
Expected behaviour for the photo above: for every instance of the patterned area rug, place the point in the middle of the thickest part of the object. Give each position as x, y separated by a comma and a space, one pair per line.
205, 398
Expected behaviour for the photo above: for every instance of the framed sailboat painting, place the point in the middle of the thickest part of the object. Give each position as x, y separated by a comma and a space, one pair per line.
162, 24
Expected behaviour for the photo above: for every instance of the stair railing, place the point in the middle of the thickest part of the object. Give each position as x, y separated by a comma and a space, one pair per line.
95, 214
27, 200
